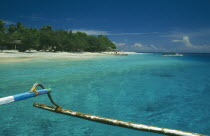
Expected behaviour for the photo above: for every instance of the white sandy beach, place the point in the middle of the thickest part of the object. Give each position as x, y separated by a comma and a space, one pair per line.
15, 56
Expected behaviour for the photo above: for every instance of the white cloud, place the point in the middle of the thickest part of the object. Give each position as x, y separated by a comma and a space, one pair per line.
138, 45
101, 32
120, 44
196, 33
9, 22
188, 46
134, 33
91, 32
153, 46
37, 18
145, 48
176, 40
127, 33
186, 41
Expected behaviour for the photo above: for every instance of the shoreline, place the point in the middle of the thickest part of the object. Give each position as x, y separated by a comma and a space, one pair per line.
15, 56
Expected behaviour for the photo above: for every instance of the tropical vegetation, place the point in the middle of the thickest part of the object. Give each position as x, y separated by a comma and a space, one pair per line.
22, 38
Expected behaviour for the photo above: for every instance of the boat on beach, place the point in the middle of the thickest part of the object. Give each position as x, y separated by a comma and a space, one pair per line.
120, 54
117, 53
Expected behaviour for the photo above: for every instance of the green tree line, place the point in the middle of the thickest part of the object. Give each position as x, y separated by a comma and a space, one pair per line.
18, 37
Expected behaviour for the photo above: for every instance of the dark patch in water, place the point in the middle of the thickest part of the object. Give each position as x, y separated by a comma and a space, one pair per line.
84, 131
166, 75
45, 126
206, 90
87, 131
170, 98
150, 108
8, 132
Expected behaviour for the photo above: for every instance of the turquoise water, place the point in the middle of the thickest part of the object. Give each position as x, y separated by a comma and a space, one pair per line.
170, 92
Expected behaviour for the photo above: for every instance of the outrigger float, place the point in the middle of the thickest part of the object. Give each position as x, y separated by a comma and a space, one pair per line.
58, 109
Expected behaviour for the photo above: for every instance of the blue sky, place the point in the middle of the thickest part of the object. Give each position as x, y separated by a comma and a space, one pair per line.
133, 25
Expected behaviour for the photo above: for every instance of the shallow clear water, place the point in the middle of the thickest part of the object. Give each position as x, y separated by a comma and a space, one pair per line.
170, 92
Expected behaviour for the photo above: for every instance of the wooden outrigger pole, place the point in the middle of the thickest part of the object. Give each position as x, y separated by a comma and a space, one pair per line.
115, 122
58, 109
